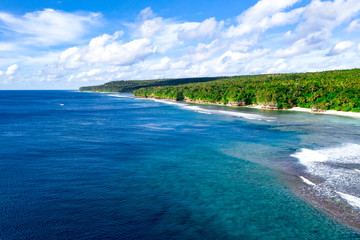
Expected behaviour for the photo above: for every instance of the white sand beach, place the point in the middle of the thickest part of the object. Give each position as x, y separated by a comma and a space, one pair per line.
329, 112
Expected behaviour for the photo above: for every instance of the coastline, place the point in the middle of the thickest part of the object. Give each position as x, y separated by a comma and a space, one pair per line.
335, 207
264, 107
326, 112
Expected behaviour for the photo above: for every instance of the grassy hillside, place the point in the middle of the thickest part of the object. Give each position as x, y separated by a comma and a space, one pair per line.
337, 90
131, 85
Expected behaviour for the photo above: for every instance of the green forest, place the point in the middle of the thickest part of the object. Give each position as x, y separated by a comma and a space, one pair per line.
328, 90
131, 85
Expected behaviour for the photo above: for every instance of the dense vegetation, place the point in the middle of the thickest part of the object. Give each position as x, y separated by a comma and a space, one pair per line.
131, 85
337, 90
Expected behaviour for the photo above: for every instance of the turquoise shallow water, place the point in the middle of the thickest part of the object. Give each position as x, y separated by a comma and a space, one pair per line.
86, 166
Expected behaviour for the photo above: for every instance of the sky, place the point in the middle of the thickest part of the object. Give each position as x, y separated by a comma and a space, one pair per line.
66, 44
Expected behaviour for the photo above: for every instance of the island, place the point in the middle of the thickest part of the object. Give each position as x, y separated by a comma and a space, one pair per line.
316, 91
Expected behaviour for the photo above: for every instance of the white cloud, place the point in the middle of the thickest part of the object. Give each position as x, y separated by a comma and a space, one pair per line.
206, 28
48, 27
340, 47
93, 72
85, 76
149, 24
163, 64
279, 66
154, 35
161, 47
263, 15
326, 15
101, 75
107, 49
166, 34
150, 27
203, 51
233, 56
71, 58
11, 70
271, 36
354, 26
5, 46
9, 73
320, 18
303, 45
145, 14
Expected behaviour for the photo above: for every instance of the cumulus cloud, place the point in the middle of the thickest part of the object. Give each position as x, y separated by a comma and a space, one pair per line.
354, 26
84, 76
279, 66
161, 47
11, 70
167, 34
263, 15
48, 27
207, 28
149, 27
101, 75
163, 64
154, 35
107, 49
9, 73
324, 16
340, 48
303, 45
320, 18
71, 58
271, 36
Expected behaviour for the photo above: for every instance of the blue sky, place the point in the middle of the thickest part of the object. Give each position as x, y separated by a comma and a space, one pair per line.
67, 44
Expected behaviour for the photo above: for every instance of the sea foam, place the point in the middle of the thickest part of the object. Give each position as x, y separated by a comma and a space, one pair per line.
307, 156
120, 96
343, 154
352, 200
218, 112
335, 167
307, 181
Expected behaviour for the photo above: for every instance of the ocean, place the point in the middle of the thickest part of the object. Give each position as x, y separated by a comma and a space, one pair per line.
76, 165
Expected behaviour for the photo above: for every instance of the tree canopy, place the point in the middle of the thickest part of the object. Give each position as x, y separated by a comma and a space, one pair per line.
335, 90
131, 85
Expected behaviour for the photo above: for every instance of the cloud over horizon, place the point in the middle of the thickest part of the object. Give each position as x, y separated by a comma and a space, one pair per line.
281, 36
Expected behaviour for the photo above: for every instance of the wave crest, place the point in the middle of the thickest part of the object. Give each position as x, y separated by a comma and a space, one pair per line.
338, 169
199, 109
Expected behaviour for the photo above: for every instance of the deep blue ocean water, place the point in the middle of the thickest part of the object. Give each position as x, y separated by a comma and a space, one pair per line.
77, 165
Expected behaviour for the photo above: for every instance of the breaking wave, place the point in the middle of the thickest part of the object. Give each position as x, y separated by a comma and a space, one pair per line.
121, 95
307, 181
337, 170
352, 200
218, 112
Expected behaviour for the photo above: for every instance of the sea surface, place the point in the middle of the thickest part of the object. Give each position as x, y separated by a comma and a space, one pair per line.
77, 165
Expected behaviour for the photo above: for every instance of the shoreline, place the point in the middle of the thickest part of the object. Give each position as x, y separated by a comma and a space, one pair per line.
326, 112
264, 107
305, 187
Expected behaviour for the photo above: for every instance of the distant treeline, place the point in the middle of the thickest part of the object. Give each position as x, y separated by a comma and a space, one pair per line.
335, 90
131, 85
